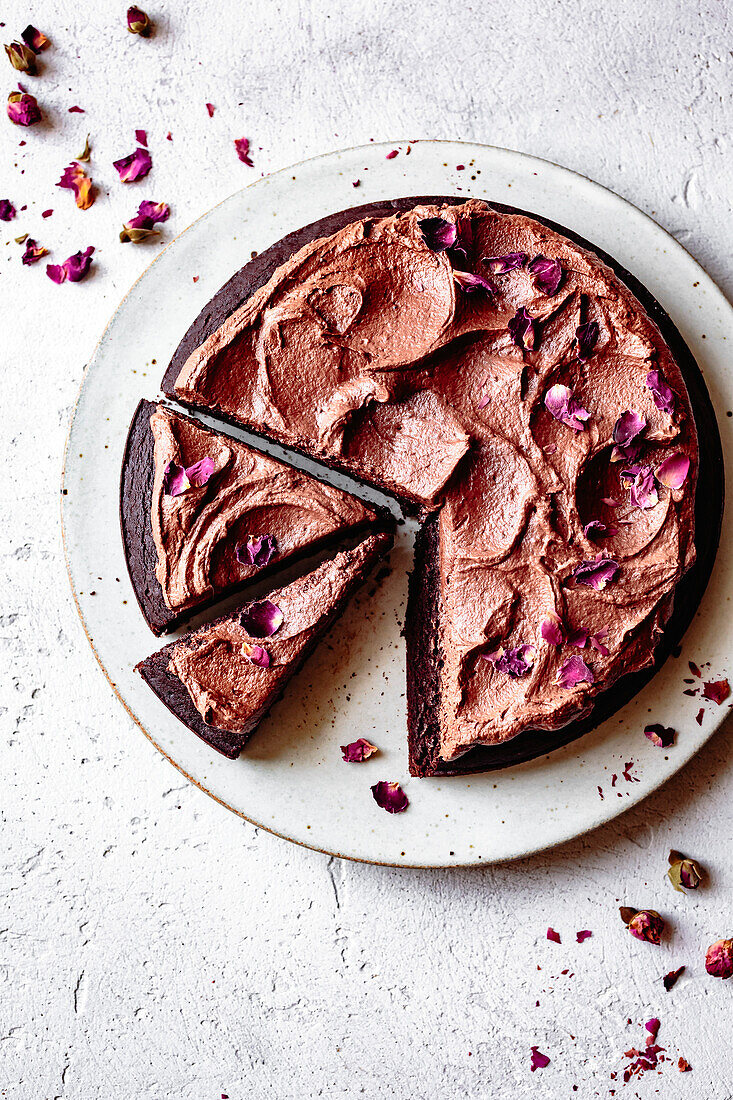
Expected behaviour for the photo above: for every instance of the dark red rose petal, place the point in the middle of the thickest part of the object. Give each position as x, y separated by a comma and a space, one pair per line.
661, 736
553, 935
584, 935
390, 797
358, 751
262, 619
538, 1060
717, 691
546, 275
670, 979
242, 147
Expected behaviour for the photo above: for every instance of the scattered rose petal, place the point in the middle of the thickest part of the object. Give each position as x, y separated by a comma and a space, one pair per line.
143, 224
683, 1065
35, 39
141, 137
670, 980
596, 574
546, 275
694, 669
597, 643
644, 924
512, 662
538, 1060
242, 147
135, 166
256, 654
661, 392
392, 155
500, 265
7, 210
485, 400
358, 751
86, 152
573, 672
560, 402
661, 736
609, 502
46, 213
438, 233
469, 283
72, 269
75, 179
553, 935
33, 252
598, 530
578, 637
627, 427
138, 22
642, 488
587, 336
683, 873
584, 935
390, 797
551, 629
716, 690
673, 470
523, 330
719, 959
23, 109
210, 108
356, 183
177, 479
262, 619
21, 57
76, 111
652, 1026
256, 550
699, 716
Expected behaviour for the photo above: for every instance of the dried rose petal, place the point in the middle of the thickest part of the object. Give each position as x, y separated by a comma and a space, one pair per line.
560, 402
598, 530
177, 479
577, 636
716, 690
358, 751
7, 210
75, 179
391, 155
242, 147
573, 672
584, 935
141, 137
596, 574
596, 641
661, 392
143, 224
553, 935
642, 488
551, 629
485, 400
500, 265
390, 797
512, 662
628, 426
72, 269
200, 472
256, 654
523, 330
438, 233
256, 550
462, 248
587, 336
35, 39
670, 980
546, 275
33, 252
138, 22
210, 108
652, 1026
262, 619
645, 924
683, 1065
470, 283
23, 109
661, 736
135, 166
21, 57
683, 873
86, 152
538, 1060
719, 959
673, 470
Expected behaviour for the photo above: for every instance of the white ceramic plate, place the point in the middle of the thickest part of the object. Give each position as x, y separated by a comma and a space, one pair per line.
291, 780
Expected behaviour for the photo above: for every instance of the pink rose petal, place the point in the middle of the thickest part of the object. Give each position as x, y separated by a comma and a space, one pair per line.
598, 530
23, 109
256, 654
210, 108
256, 550
584, 935
546, 275
551, 630
573, 672
717, 691
470, 283
438, 233
177, 479
538, 1060
553, 935
661, 392
596, 574
561, 404
390, 797
512, 662
358, 751
642, 488
242, 147
262, 619
135, 166
587, 336
33, 252
661, 736
523, 330
141, 137
673, 471
500, 265
7, 210
75, 179
72, 269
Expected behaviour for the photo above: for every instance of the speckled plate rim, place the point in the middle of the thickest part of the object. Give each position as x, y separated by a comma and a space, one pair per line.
715, 314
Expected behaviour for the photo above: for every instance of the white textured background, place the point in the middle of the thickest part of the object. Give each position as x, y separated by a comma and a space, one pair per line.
151, 944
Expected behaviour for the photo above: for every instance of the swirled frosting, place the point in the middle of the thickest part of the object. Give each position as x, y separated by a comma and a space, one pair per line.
365, 349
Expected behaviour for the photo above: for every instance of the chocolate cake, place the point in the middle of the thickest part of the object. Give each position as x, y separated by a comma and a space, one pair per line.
222, 679
496, 373
191, 541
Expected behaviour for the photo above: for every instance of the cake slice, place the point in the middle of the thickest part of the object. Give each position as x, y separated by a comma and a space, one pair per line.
222, 679
203, 515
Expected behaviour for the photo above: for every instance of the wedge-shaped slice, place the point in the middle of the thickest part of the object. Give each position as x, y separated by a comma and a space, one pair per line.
222, 679
203, 515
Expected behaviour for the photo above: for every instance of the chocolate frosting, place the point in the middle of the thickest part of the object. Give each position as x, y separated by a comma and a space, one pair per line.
228, 690
362, 350
249, 494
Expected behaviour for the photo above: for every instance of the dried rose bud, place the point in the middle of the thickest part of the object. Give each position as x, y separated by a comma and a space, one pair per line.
22, 58
138, 22
719, 959
23, 109
645, 924
683, 873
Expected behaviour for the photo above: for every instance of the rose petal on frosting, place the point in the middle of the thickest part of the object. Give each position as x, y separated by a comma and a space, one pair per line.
538, 1060
661, 736
438, 233
242, 147
584, 935
23, 109
670, 980
560, 402
135, 166
546, 275
72, 269
35, 39
663, 395
587, 336
485, 400
33, 252
551, 629
75, 179
358, 751
574, 671
523, 330
553, 935
175, 480
256, 654
673, 471
597, 530
138, 22
500, 265
577, 636
256, 550
200, 472
512, 662
462, 249
597, 643
262, 619
597, 573
470, 283
390, 797
7, 210
627, 427
642, 488
716, 690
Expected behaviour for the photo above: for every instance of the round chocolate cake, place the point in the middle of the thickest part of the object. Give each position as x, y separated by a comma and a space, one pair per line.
532, 404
